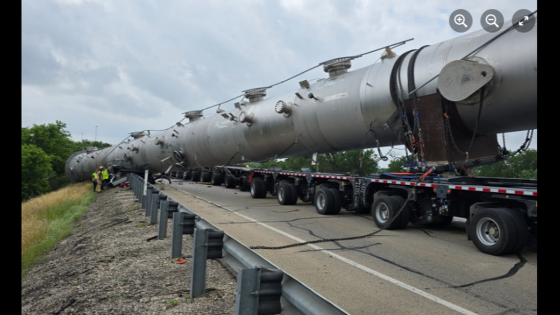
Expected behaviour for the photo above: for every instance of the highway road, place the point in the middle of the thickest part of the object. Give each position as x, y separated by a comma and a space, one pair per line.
416, 270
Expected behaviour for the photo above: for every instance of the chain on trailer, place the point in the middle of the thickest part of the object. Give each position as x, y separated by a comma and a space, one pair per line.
449, 134
334, 239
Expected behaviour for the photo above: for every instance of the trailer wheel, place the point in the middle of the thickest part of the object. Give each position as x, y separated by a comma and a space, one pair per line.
324, 201
229, 182
216, 179
493, 231
263, 185
284, 193
383, 211
404, 217
257, 190
522, 230
243, 184
295, 194
195, 176
205, 176
337, 201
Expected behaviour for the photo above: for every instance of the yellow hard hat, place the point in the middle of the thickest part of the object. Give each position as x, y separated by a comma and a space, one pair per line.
101, 167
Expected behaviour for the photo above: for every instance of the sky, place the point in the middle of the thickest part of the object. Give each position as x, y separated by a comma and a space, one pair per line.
108, 68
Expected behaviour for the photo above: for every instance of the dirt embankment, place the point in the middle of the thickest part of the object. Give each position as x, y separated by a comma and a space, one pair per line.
107, 266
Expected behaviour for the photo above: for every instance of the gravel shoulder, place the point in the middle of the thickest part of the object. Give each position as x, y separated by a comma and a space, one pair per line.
107, 266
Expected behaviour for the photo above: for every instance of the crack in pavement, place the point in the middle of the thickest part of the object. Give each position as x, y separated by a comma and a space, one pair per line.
425, 231
308, 231
515, 311
510, 273
286, 211
342, 248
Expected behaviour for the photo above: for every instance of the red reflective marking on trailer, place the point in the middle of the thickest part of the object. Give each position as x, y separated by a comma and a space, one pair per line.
486, 189
458, 187
519, 192
412, 184
503, 191
434, 185
393, 182
402, 183
422, 184
472, 188
534, 194
384, 181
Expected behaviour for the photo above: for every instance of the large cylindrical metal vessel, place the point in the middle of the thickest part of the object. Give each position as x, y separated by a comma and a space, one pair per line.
341, 110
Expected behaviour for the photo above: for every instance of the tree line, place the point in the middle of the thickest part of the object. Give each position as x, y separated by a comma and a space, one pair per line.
44, 151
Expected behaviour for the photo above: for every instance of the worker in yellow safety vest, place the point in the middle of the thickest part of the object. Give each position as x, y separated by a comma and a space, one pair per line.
105, 178
99, 178
94, 179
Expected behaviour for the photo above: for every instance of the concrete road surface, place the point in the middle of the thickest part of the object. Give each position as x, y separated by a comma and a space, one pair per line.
416, 270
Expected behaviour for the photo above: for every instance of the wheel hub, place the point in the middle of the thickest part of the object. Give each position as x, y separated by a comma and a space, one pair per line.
488, 231
382, 213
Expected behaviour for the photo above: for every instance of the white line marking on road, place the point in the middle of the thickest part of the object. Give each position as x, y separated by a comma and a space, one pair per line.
348, 261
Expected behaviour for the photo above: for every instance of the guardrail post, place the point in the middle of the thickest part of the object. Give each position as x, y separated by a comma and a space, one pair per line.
200, 255
183, 223
154, 206
208, 244
162, 228
246, 298
148, 203
176, 235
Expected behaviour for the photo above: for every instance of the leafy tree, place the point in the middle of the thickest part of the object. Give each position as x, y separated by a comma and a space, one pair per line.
80, 145
522, 165
55, 141
339, 162
35, 171
397, 163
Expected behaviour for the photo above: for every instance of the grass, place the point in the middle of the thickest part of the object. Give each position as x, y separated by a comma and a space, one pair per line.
172, 303
134, 207
141, 224
47, 219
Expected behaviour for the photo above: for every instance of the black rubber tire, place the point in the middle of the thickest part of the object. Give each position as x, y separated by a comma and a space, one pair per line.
404, 217
217, 179
205, 177
189, 175
263, 185
243, 184
294, 189
522, 230
383, 211
257, 190
324, 201
482, 230
337, 201
229, 182
284, 194
441, 222
195, 176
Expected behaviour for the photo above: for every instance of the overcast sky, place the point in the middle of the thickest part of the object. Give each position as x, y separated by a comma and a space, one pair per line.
131, 65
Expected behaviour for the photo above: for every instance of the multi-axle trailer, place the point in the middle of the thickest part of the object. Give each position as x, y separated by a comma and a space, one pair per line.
500, 213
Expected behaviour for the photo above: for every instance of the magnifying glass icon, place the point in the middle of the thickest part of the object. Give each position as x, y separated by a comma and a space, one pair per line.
460, 20
491, 20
